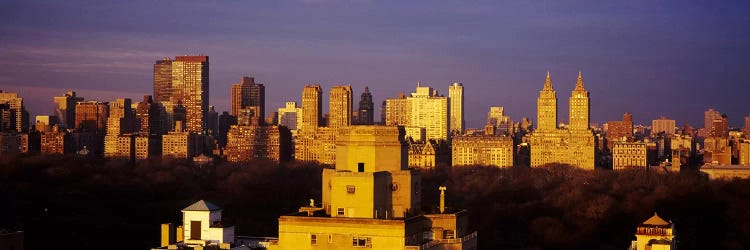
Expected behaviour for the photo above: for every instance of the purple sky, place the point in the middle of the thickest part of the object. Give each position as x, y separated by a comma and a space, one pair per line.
651, 58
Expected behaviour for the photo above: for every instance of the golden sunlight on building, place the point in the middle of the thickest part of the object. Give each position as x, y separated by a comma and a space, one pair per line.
654, 234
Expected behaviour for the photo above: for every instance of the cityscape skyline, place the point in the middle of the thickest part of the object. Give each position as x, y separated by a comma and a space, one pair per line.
684, 60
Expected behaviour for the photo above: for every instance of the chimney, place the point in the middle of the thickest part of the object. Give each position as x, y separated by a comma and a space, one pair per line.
442, 199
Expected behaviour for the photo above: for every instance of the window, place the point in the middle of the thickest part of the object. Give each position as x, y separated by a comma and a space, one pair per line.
340, 211
350, 189
330, 238
361, 167
313, 239
358, 241
448, 234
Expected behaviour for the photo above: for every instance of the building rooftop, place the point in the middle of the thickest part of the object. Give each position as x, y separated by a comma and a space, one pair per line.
656, 221
202, 205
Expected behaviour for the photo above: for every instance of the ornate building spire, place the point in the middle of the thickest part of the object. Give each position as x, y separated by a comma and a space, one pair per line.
579, 83
548, 83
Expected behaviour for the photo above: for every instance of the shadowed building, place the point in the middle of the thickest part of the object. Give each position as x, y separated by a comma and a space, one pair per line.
246, 143
13, 114
91, 116
163, 80
246, 94
65, 108
366, 111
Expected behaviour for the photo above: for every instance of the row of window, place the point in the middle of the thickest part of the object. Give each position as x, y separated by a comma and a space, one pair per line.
357, 241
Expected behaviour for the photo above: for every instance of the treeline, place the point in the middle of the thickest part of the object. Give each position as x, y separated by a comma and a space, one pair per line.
94, 203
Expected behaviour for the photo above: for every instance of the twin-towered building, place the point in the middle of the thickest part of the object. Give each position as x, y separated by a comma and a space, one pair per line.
573, 144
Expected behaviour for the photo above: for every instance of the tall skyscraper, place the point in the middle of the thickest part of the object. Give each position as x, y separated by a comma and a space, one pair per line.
14, 115
212, 121
163, 80
456, 99
719, 127
579, 106
427, 109
366, 108
340, 107
65, 108
746, 128
225, 123
247, 93
190, 85
547, 106
312, 107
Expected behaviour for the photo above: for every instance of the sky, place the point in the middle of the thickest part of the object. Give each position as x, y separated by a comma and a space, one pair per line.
648, 57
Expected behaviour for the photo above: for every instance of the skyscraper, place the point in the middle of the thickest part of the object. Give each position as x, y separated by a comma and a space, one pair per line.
456, 99
14, 117
547, 106
312, 106
427, 109
366, 108
190, 84
163, 80
579, 106
663, 124
65, 108
120, 119
247, 93
340, 107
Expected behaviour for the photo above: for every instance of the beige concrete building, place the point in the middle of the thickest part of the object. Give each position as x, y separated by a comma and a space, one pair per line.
574, 145
654, 234
627, 155
482, 150
425, 108
371, 190
456, 99
340, 105
246, 143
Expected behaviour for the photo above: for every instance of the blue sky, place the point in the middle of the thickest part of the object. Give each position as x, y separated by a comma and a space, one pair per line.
650, 58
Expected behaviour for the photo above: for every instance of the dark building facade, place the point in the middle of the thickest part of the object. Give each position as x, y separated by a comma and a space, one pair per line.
365, 113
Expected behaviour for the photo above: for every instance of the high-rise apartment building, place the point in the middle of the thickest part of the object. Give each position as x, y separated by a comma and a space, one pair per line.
190, 85
617, 130
663, 124
121, 117
340, 104
574, 146
246, 94
65, 108
456, 99
163, 80
312, 107
580, 109
482, 150
14, 116
427, 109
719, 127
290, 116
366, 111
746, 128
54, 141
180, 143
246, 143
708, 118
148, 117
91, 116
395, 111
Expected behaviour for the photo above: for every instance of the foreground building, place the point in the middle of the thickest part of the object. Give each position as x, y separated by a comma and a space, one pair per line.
654, 234
574, 145
202, 227
372, 200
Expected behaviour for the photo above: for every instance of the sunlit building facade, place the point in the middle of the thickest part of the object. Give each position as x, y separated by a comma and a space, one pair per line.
427, 109
246, 143
629, 155
482, 150
396, 111
190, 86
340, 104
456, 99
